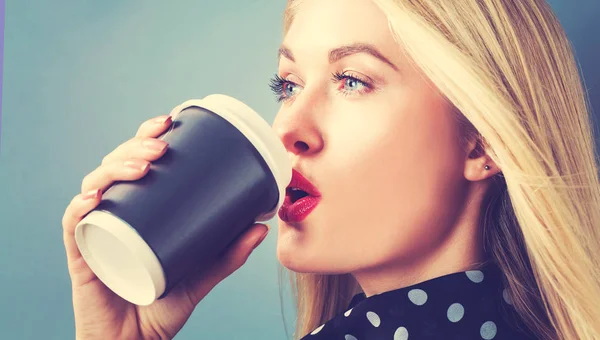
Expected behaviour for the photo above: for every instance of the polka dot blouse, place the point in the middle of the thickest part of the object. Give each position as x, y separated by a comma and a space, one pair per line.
464, 305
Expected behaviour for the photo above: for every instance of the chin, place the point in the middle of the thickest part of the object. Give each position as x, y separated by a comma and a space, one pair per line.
291, 259
294, 259
297, 260
298, 253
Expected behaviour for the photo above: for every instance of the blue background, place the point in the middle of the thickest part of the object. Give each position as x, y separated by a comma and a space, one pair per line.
79, 78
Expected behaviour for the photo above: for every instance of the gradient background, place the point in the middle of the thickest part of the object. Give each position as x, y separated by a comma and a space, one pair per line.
79, 78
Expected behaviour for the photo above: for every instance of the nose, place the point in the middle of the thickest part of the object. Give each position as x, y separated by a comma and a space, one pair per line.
297, 128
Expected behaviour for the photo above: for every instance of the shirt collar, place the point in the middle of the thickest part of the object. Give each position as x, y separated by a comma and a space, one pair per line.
470, 304
488, 277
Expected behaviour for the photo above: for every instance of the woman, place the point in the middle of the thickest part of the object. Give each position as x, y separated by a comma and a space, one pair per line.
452, 148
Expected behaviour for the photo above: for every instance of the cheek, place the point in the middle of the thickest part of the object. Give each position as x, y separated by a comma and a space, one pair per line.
392, 184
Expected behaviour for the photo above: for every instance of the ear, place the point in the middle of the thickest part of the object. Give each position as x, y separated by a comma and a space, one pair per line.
476, 161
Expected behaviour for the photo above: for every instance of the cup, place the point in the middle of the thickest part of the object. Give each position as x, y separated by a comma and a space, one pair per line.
224, 170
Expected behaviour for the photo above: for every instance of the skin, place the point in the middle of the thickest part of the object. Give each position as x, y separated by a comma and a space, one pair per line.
400, 198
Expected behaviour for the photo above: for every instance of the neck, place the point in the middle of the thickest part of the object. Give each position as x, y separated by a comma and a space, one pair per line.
461, 250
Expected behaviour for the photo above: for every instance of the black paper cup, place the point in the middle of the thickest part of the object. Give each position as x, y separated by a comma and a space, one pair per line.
224, 170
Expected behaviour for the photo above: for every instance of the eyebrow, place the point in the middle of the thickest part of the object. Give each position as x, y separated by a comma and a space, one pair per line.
342, 52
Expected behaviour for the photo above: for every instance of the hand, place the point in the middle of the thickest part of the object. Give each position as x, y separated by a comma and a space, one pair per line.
100, 313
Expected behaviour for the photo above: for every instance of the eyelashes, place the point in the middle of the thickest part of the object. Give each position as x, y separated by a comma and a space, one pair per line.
351, 77
277, 85
349, 84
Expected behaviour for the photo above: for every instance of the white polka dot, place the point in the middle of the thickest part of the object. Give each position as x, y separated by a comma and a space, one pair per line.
475, 275
417, 296
488, 330
317, 330
506, 297
373, 319
455, 312
350, 337
348, 312
401, 334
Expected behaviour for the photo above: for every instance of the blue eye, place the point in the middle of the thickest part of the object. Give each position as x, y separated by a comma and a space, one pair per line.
289, 89
352, 84
283, 89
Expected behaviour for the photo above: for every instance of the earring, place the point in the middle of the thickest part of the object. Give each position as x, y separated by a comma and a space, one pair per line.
487, 167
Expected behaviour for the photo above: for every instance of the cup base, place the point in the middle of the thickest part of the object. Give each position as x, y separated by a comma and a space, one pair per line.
120, 258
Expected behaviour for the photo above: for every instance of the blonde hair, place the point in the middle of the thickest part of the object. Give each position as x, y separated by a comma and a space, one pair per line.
509, 70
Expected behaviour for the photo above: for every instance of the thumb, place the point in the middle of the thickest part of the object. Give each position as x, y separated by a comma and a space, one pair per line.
201, 283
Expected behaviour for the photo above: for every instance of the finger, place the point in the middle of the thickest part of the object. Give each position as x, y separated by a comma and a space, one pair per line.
200, 284
105, 175
80, 205
154, 127
146, 136
147, 148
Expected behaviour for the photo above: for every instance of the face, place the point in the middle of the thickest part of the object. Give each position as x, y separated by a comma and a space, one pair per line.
372, 134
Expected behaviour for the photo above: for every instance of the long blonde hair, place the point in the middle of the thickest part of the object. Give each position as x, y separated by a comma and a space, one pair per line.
509, 70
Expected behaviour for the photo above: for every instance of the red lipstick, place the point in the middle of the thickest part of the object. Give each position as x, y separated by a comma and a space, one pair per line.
301, 198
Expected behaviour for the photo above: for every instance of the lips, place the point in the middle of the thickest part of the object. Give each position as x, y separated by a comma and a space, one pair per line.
301, 198
299, 185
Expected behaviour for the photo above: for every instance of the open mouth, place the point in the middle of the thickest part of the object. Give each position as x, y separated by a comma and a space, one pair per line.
296, 194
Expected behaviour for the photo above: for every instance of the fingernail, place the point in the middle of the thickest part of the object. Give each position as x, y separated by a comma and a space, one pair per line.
261, 238
154, 144
91, 194
162, 120
141, 166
